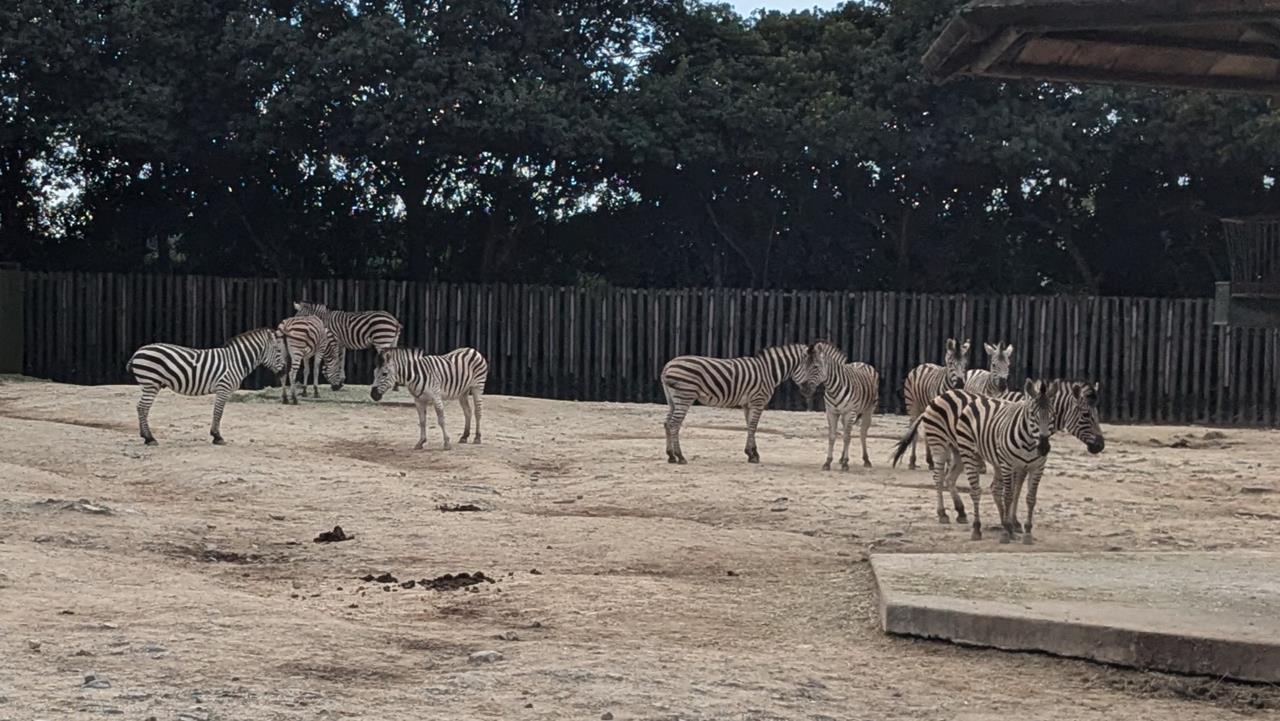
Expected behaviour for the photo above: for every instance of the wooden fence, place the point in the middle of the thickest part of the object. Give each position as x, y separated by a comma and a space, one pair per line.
1159, 360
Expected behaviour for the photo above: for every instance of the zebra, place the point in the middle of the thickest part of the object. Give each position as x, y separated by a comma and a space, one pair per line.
850, 390
375, 329
307, 338
929, 380
747, 383
201, 371
434, 379
967, 428
995, 380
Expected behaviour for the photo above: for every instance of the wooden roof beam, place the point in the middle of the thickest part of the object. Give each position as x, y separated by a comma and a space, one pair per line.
1080, 75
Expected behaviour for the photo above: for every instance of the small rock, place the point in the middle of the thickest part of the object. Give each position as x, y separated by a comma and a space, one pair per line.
508, 636
276, 516
1257, 489
606, 716
485, 657
333, 536
92, 681
33, 644
535, 572
730, 573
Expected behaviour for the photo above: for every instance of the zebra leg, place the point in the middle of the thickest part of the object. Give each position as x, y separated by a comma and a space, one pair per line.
1003, 490
477, 398
421, 404
1018, 480
675, 417
1033, 486
939, 482
975, 493
440, 420
911, 465
954, 467
847, 417
219, 403
832, 419
149, 394
753, 420
466, 418
865, 420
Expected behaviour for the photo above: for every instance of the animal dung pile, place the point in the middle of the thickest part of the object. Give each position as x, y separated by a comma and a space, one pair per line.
337, 534
447, 582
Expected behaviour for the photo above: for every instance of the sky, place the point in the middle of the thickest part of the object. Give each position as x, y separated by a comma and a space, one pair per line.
746, 7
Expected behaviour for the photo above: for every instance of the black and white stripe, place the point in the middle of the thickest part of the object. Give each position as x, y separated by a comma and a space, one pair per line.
201, 371
850, 390
995, 379
967, 428
433, 379
746, 383
307, 339
929, 380
375, 329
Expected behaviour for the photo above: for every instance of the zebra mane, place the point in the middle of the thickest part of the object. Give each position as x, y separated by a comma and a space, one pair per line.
251, 335
828, 349
776, 349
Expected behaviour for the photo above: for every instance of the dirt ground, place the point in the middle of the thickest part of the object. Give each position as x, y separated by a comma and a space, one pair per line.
187, 584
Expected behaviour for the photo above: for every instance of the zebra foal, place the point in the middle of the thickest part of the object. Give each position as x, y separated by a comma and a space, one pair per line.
746, 383
850, 390
433, 379
375, 329
930, 380
201, 371
307, 339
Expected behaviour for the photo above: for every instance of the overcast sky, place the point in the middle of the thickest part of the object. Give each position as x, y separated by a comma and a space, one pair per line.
746, 7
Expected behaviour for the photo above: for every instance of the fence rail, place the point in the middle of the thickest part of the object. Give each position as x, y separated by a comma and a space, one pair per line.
1159, 360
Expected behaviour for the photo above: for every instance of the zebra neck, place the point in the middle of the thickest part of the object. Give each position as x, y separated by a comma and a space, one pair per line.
248, 353
780, 362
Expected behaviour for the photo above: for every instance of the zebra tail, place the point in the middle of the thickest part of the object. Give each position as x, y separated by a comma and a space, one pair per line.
905, 443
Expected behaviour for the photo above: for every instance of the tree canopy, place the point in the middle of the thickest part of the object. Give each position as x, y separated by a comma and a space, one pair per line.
631, 142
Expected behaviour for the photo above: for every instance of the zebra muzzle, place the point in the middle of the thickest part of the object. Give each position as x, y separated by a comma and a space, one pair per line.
1043, 447
375, 394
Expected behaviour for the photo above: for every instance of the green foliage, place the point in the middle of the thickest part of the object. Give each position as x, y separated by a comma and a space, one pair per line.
646, 142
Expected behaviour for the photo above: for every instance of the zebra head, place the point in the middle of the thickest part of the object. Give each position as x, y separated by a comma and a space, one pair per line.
275, 356
384, 375
826, 358
333, 362
957, 362
1039, 416
320, 310
804, 370
999, 364
1080, 416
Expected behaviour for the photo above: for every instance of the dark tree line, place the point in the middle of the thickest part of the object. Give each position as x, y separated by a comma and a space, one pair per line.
632, 142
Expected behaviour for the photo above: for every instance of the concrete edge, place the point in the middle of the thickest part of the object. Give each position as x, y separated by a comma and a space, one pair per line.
1142, 649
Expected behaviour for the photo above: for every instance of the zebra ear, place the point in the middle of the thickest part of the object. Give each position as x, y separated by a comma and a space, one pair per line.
951, 345
1029, 387
297, 305
964, 349
1008, 351
990, 349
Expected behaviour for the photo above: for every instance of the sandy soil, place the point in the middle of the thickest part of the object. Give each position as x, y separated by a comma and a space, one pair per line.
189, 586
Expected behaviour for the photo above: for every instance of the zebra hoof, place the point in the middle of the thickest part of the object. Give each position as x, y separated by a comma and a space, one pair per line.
681, 461
911, 466
476, 441
753, 459
418, 447
1026, 539
844, 464
943, 517
150, 442
961, 518
826, 466
671, 459
1016, 527
217, 441
1006, 537
976, 535
448, 447
866, 462
462, 439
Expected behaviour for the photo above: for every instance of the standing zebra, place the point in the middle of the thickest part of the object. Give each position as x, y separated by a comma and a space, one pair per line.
201, 371
375, 329
929, 380
995, 380
747, 383
850, 390
307, 338
434, 379
967, 428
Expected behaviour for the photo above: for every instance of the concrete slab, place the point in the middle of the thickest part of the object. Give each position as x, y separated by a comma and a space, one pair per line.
1210, 613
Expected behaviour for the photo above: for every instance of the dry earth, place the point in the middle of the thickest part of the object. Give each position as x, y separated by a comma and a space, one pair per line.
189, 587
